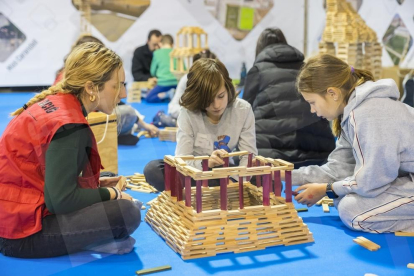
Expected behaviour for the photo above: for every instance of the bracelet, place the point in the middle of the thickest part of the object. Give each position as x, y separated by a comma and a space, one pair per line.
118, 194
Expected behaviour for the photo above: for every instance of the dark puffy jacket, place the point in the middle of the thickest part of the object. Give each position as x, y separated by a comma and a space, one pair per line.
285, 127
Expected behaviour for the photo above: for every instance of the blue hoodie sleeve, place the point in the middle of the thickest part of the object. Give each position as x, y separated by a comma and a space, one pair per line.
376, 150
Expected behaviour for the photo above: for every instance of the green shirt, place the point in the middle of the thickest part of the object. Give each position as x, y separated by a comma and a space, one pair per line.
160, 67
65, 158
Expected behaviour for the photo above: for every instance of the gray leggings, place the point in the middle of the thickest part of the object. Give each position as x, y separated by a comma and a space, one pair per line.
69, 233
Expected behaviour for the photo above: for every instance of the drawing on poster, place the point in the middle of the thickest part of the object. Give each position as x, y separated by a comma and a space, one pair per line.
112, 18
397, 40
10, 37
239, 17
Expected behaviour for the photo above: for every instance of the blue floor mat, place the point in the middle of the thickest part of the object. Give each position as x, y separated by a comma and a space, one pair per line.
332, 253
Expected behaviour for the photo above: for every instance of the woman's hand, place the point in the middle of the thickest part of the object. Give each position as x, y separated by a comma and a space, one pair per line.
311, 193
215, 158
109, 181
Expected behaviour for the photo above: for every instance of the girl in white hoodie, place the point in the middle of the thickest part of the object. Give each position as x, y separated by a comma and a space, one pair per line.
371, 171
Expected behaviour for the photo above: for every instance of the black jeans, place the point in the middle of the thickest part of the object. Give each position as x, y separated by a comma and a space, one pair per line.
69, 233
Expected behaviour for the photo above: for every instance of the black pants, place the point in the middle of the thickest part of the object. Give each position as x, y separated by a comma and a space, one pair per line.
69, 233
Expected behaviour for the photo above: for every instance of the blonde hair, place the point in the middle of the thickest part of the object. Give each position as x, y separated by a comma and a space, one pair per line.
89, 61
324, 71
205, 78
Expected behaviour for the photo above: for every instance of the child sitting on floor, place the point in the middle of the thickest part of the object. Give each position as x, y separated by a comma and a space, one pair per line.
160, 68
213, 120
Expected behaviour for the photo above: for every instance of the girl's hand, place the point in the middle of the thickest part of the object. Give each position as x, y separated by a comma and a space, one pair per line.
311, 194
215, 158
109, 181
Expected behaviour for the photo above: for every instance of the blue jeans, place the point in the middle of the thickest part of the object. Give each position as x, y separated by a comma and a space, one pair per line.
152, 96
127, 119
69, 233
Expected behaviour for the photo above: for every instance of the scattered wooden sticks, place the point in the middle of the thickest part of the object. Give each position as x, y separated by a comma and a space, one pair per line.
325, 202
144, 133
364, 242
138, 183
153, 270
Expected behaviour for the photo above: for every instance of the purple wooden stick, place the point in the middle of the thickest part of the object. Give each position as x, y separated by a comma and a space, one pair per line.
241, 199
266, 189
188, 191
288, 188
205, 168
223, 193
278, 183
199, 203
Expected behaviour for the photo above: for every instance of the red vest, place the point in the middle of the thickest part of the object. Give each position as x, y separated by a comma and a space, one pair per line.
23, 147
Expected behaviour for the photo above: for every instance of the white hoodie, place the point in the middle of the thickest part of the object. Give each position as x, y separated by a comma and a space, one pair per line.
376, 146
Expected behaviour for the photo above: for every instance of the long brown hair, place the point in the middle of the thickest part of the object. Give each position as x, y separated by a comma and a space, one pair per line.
324, 71
89, 61
205, 78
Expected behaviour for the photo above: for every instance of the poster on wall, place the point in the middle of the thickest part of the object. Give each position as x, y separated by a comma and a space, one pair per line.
36, 36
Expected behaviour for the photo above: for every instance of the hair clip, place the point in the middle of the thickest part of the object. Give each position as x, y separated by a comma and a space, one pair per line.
25, 106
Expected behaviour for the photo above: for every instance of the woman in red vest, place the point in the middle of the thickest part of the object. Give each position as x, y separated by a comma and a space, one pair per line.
52, 201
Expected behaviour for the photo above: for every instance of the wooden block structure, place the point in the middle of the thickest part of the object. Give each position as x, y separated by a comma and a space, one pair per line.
188, 42
168, 134
104, 127
347, 36
364, 242
134, 92
203, 221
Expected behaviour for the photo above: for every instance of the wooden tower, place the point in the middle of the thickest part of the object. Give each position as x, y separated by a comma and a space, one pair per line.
85, 11
356, 43
203, 221
188, 42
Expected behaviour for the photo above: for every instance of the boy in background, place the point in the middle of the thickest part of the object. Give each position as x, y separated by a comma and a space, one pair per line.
160, 68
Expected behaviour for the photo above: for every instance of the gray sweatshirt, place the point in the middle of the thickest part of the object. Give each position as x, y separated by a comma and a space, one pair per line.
376, 147
198, 136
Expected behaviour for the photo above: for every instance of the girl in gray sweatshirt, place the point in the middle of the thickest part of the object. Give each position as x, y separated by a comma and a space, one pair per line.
370, 172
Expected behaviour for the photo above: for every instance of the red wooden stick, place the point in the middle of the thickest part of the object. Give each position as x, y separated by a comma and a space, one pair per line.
223, 193
241, 198
288, 188
167, 180
266, 189
173, 181
199, 203
179, 186
188, 191
205, 168
278, 183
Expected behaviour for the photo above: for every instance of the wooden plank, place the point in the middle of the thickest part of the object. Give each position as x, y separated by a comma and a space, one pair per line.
404, 234
364, 242
153, 270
